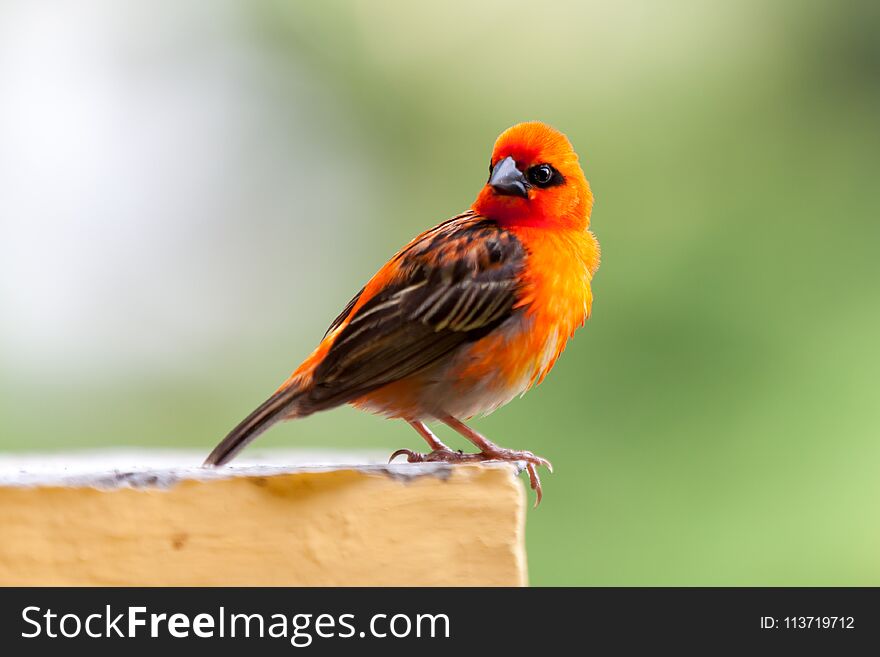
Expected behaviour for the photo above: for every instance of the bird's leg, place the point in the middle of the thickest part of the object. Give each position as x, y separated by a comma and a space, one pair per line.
439, 451
433, 441
489, 451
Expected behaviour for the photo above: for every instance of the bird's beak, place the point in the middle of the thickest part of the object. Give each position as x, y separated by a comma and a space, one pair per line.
507, 180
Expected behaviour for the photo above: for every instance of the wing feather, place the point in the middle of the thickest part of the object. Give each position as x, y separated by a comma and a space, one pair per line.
453, 285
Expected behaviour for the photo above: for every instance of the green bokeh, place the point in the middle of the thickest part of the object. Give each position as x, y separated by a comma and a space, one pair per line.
716, 422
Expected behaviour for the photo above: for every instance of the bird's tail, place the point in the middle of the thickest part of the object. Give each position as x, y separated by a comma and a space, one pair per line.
280, 405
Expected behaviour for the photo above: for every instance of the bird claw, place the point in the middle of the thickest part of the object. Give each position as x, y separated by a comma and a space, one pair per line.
538, 460
411, 456
535, 482
438, 455
500, 454
532, 462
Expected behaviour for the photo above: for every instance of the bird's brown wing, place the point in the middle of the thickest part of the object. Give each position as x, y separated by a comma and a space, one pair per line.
452, 285
341, 317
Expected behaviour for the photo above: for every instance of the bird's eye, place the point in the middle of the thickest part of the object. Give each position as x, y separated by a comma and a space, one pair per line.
542, 175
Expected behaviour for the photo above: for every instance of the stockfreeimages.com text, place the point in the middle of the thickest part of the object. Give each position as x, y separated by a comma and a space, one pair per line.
300, 629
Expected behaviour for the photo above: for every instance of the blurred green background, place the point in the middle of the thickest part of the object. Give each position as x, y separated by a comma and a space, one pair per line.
192, 190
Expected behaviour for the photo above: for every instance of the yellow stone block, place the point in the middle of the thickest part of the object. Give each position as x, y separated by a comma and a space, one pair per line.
397, 525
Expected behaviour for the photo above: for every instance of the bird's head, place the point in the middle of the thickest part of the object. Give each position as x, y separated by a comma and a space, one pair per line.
535, 180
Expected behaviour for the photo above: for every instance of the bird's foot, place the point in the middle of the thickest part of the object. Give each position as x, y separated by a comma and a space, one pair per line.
494, 453
437, 456
532, 461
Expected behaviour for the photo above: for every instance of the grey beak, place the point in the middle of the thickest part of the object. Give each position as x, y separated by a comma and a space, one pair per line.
507, 180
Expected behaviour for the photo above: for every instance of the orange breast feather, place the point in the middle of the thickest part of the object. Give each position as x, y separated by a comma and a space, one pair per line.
557, 300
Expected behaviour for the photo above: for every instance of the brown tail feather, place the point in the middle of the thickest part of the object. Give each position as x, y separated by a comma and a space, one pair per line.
273, 410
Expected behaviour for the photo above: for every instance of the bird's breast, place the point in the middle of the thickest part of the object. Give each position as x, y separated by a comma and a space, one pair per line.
556, 290
555, 300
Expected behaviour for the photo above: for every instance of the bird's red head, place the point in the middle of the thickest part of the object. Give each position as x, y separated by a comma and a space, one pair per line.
535, 180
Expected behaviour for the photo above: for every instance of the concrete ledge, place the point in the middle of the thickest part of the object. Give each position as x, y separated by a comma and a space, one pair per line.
150, 519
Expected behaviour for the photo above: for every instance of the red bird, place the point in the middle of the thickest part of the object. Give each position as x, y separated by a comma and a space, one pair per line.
464, 318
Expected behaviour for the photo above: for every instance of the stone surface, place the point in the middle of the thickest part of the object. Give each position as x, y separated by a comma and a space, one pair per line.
279, 518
